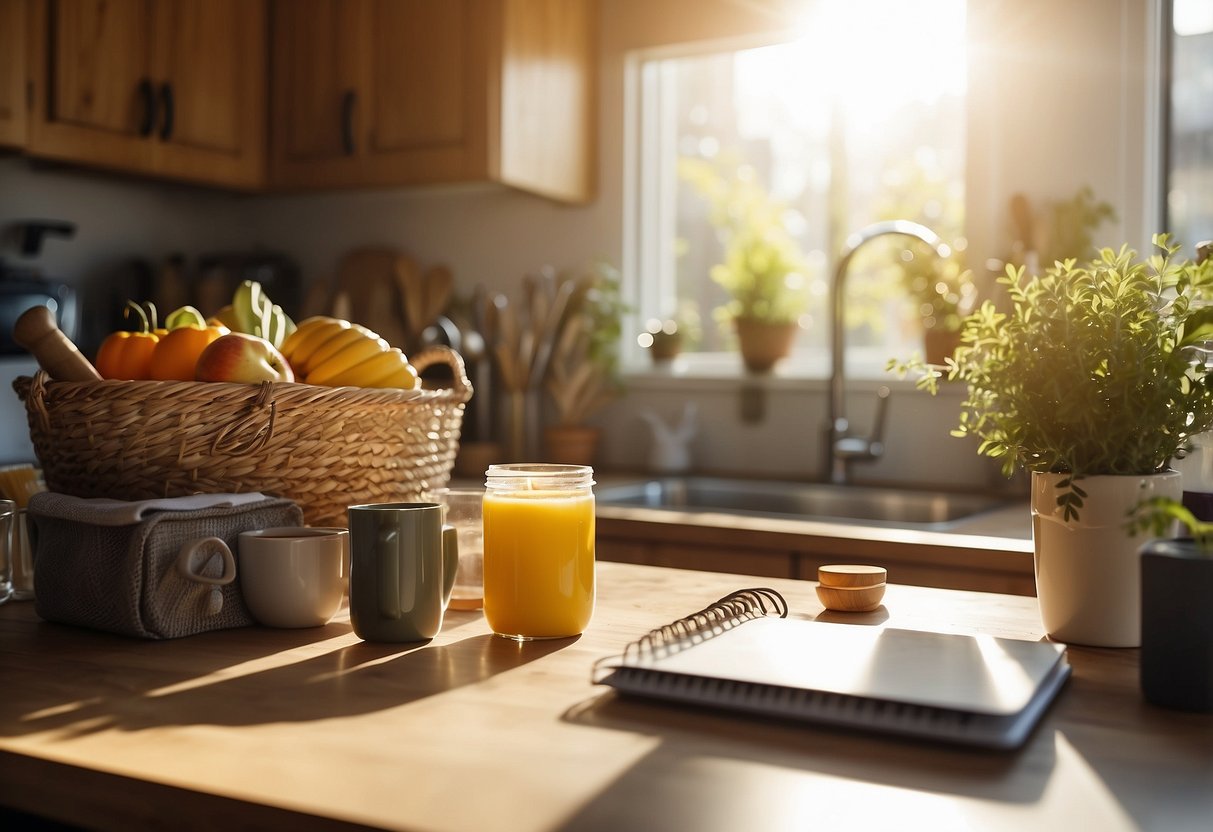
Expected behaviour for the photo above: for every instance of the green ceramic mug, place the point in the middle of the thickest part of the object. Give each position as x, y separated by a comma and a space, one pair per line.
402, 568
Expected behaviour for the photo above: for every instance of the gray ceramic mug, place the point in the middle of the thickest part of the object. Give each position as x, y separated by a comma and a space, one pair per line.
402, 568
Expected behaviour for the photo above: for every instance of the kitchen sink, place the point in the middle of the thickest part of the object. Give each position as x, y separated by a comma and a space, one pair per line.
864, 505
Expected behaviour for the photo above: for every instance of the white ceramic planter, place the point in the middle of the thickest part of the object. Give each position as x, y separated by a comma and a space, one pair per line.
1088, 571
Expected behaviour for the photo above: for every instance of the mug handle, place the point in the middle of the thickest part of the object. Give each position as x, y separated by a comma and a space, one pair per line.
388, 569
450, 562
191, 568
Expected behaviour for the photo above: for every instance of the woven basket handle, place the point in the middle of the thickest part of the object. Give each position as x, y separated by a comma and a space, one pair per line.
36, 401
439, 354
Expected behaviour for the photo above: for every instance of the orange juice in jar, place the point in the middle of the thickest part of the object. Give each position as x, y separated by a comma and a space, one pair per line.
538, 550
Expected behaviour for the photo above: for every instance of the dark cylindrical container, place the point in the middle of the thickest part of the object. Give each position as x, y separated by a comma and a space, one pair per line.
1177, 625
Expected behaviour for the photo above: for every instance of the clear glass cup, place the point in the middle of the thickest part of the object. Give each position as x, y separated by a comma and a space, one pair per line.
8, 519
538, 550
462, 509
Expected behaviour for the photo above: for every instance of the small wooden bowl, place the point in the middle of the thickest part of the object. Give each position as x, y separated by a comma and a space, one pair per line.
851, 587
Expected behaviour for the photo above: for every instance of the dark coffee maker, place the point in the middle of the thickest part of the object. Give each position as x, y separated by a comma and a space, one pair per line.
24, 286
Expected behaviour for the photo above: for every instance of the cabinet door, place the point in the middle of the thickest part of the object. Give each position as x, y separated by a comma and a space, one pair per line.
12, 72
319, 65
210, 93
380, 92
429, 88
90, 65
174, 88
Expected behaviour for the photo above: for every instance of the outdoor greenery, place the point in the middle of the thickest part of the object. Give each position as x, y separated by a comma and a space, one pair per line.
1098, 368
763, 270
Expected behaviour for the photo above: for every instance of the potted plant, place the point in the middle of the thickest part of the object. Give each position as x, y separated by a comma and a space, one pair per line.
1092, 381
945, 294
666, 338
763, 270
583, 375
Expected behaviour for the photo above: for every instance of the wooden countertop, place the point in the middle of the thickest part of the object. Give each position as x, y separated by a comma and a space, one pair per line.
315, 729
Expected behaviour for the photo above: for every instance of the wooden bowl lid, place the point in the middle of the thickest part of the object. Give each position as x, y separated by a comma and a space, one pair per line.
851, 575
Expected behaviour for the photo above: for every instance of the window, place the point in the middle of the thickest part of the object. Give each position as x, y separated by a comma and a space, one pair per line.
858, 118
1190, 153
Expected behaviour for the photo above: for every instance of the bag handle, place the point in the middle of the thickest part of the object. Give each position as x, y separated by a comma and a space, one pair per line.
190, 567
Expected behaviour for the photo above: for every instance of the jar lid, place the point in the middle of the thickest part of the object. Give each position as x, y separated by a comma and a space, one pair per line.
851, 575
540, 474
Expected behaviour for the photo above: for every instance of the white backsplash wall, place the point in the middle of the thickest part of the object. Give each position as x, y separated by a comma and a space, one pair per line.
787, 441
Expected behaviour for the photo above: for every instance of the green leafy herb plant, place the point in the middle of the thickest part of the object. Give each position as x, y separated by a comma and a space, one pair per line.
763, 270
1098, 368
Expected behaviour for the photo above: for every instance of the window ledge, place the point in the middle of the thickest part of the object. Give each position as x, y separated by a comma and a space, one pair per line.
804, 371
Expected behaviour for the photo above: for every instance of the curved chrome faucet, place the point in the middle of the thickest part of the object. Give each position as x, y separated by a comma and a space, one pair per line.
842, 448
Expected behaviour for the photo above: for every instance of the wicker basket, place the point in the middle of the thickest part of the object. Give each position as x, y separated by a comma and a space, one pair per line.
324, 447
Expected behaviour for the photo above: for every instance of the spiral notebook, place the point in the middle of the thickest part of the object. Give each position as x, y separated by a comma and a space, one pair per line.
743, 653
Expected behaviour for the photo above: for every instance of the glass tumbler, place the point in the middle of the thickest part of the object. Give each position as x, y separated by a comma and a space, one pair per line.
538, 550
462, 509
8, 519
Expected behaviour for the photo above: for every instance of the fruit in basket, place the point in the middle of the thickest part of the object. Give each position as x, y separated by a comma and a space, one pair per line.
176, 355
243, 358
336, 353
308, 337
128, 355
252, 312
390, 368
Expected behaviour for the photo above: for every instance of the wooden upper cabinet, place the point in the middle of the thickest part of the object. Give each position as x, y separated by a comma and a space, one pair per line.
12, 73
173, 88
405, 92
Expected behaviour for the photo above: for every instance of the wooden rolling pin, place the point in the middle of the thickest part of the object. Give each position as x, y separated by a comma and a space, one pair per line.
37, 331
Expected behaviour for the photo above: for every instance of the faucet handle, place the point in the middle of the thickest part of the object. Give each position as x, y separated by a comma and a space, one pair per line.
876, 441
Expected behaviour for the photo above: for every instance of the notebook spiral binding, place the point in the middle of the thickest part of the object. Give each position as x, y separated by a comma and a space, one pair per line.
714, 619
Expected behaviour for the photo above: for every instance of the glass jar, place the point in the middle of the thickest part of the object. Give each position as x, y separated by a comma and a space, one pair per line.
538, 549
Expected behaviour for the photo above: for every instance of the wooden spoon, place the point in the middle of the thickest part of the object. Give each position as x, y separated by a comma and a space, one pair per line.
439, 283
412, 291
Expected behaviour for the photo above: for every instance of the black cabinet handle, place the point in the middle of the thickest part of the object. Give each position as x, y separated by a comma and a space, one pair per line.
147, 100
166, 104
347, 121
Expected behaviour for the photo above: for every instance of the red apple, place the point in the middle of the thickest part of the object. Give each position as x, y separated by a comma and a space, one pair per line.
242, 358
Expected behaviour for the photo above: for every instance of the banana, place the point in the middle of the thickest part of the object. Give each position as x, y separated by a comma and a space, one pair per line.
404, 377
336, 344
310, 340
390, 368
301, 331
346, 358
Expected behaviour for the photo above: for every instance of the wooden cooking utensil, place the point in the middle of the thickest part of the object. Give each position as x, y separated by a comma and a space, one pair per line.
439, 283
412, 292
37, 331
367, 278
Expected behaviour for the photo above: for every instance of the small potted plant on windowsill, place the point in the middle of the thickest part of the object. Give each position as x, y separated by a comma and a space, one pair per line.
583, 376
945, 294
763, 270
1093, 381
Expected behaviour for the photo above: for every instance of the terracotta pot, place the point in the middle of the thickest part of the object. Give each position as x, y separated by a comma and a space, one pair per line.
665, 347
571, 444
764, 343
1088, 571
939, 344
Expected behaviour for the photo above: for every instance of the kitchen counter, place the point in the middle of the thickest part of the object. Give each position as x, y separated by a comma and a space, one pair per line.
986, 552
315, 729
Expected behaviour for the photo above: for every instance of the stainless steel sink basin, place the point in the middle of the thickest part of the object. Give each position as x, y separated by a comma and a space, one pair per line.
805, 501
